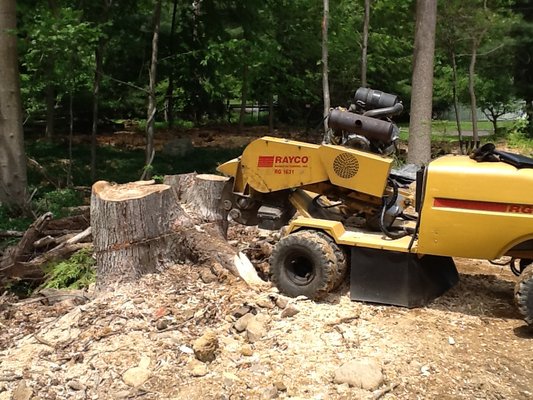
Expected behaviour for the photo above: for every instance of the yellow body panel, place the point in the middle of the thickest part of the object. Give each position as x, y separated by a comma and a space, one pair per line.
271, 164
475, 210
353, 236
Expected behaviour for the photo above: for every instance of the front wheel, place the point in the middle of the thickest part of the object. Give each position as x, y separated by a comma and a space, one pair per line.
523, 294
307, 263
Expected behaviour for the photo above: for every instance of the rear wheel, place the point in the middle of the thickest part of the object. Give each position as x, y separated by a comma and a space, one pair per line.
307, 263
523, 294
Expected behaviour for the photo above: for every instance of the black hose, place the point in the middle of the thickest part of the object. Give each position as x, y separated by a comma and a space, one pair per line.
317, 204
384, 229
387, 111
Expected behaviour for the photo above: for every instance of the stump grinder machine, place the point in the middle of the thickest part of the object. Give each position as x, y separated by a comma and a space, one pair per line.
395, 231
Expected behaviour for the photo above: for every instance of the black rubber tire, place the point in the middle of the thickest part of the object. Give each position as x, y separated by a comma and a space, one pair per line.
523, 294
307, 263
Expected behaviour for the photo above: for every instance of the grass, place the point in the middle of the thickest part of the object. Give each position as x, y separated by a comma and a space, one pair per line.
446, 131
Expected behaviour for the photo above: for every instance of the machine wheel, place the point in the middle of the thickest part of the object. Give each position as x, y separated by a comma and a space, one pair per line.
523, 294
307, 263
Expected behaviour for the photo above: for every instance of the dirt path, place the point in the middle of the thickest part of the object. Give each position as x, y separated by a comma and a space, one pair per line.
470, 343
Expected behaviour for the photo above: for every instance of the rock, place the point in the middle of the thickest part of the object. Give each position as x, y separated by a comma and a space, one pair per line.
264, 302
365, 373
280, 385
161, 324
289, 311
246, 350
282, 302
451, 340
241, 324
136, 376
197, 368
76, 385
270, 392
207, 276
242, 310
229, 378
205, 346
186, 349
256, 328
22, 392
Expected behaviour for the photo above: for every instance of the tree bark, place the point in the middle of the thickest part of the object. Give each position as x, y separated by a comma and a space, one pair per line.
152, 101
472, 91
325, 67
50, 107
422, 83
140, 227
131, 229
50, 91
270, 113
13, 178
169, 115
96, 98
364, 50
456, 102
244, 96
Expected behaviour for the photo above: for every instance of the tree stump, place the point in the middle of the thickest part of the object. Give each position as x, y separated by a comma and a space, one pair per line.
140, 227
131, 229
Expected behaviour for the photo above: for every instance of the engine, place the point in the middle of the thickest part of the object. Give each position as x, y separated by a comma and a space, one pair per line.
367, 123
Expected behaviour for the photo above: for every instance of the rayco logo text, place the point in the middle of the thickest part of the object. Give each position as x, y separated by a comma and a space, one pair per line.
271, 161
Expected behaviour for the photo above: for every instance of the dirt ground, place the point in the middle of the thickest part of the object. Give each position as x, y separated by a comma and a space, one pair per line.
138, 341
468, 344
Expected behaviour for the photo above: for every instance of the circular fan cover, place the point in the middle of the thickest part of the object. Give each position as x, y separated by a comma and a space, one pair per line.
346, 165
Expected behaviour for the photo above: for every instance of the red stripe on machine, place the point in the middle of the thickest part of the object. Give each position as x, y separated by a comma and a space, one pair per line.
265, 161
483, 206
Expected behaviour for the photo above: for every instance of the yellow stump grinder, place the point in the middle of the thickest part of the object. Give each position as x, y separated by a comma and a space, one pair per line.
396, 231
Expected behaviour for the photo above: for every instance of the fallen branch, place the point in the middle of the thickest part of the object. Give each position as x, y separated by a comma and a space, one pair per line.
60, 252
11, 234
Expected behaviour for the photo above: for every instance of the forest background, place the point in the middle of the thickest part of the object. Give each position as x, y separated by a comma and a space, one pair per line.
88, 69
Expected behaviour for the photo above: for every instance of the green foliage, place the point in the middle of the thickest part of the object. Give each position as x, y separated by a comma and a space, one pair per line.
58, 51
11, 220
75, 273
56, 201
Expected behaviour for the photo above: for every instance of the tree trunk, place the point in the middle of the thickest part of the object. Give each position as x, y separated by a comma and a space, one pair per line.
325, 68
140, 227
152, 106
50, 109
270, 113
70, 138
96, 98
50, 91
422, 86
244, 96
169, 115
472, 92
364, 50
131, 226
13, 179
456, 102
